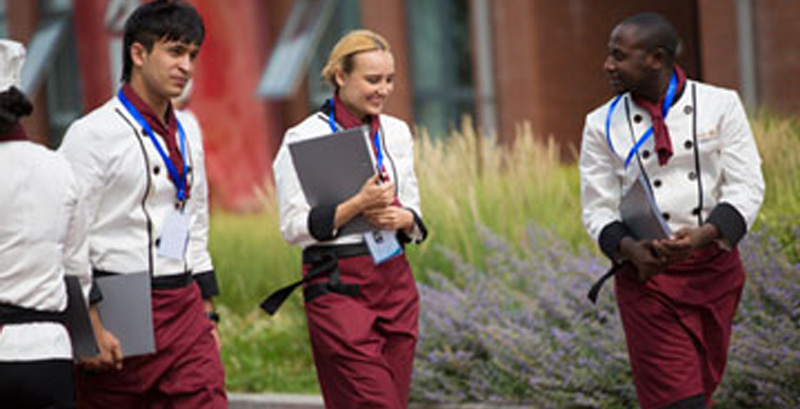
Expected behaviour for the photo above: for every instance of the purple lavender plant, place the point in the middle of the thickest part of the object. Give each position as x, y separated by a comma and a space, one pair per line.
523, 332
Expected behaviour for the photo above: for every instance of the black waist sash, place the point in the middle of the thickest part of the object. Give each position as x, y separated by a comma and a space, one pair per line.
12, 314
169, 282
324, 261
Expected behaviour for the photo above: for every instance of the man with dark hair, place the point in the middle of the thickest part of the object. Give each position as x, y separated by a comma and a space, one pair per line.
143, 175
691, 145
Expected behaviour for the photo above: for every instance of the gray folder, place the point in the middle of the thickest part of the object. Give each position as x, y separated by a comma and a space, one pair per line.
640, 212
333, 167
126, 311
81, 333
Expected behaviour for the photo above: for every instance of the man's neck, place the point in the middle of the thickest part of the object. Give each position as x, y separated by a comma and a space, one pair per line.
657, 88
156, 102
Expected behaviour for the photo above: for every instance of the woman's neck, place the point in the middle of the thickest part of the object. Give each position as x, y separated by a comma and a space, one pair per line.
364, 118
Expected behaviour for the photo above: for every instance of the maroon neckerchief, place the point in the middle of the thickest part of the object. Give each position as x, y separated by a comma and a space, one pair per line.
167, 131
660, 131
348, 120
17, 133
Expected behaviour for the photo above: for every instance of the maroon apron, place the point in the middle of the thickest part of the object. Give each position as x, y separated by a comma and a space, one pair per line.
364, 344
678, 325
185, 372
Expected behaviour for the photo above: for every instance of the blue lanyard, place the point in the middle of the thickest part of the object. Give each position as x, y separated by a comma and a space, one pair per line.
671, 89
376, 140
180, 182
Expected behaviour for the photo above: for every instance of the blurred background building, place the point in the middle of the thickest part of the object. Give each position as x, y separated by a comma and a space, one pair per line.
501, 61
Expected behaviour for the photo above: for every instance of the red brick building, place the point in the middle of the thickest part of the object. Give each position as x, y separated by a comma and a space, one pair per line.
503, 61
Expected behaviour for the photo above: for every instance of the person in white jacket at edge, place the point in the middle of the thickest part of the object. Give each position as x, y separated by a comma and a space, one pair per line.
361, 307
43, 230
691, 144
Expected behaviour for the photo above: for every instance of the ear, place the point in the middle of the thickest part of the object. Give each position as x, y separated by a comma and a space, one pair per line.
658, 59
138, 54
340, 77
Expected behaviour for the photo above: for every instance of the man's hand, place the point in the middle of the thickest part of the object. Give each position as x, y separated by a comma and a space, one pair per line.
110, 356
208, 306
644, 257
685, 241
390, 218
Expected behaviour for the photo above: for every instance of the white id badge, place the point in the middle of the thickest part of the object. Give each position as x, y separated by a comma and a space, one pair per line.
174, 235
382, 245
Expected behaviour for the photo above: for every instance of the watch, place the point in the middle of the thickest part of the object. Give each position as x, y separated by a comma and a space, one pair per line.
213, 316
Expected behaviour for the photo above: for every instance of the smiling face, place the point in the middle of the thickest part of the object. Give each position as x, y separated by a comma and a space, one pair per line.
629, 66
367, 87
164, 70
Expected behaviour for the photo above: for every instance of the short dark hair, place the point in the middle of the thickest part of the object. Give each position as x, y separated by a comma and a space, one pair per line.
13, 106
168, 20
656, 32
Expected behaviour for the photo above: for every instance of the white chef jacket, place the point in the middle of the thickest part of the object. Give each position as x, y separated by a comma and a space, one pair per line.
398, 148
715, 161
129, 192
42, 238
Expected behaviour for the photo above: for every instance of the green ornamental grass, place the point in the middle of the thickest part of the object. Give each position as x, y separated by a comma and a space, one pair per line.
467, 182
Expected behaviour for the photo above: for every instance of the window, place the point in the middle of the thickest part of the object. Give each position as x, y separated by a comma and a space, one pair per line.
64, 99
346, 17
295, 47
51, 61
3, 33
441, 63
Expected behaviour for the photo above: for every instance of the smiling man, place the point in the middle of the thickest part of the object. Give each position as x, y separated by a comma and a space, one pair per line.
693, 146
143, 175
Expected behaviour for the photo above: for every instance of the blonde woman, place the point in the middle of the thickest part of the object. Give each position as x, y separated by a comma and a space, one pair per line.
362, 311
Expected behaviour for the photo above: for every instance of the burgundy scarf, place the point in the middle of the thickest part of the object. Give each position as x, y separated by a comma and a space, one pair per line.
17, 133
167, 131
349, 120
660, 131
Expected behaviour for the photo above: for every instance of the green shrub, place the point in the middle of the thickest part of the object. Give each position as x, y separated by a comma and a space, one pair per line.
465, 181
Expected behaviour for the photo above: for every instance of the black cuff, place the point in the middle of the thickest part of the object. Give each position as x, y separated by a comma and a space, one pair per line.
610, 237
729, 222
95, 295
404, 238
320, 222
207, 281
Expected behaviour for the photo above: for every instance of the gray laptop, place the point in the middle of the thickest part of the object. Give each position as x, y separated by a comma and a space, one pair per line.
80, 326
126, 311
333, 167
640, 212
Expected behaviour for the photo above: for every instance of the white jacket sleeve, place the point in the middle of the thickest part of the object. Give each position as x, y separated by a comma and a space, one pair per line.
408, 191
198, 235
743, 185
601, 181
83, 152
294, 208
76, 244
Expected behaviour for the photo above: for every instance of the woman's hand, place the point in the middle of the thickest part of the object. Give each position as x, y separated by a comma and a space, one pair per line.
375, 195
390, 218
372, 195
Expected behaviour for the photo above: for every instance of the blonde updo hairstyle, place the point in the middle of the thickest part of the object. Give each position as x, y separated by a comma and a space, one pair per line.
354, 42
